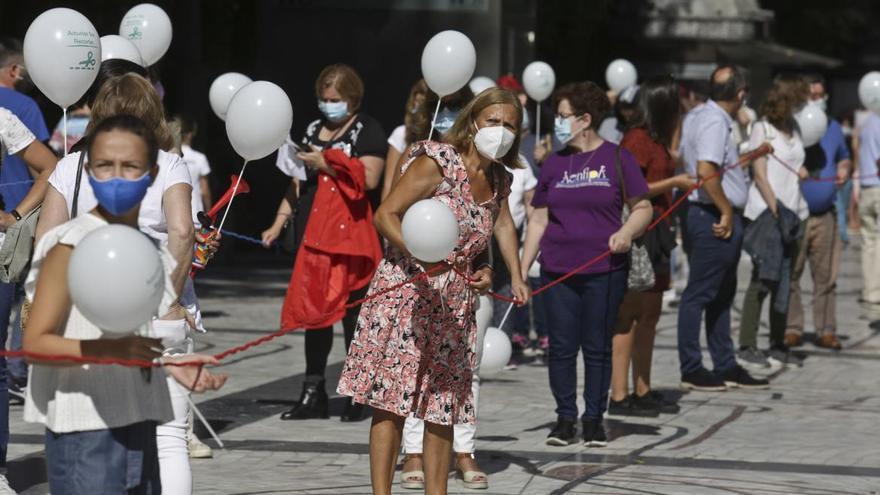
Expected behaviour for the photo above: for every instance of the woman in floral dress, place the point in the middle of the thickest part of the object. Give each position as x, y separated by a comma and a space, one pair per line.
414, 349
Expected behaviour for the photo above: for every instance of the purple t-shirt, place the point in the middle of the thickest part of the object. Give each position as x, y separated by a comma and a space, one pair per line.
584, 201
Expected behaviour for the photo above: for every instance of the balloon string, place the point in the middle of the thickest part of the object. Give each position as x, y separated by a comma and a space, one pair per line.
506, 314
234, 190
434, 120
64, 118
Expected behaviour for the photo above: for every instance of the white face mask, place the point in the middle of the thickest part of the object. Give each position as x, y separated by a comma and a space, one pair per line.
493, 142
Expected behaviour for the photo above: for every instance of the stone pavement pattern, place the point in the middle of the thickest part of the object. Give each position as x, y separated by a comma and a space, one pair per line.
814, 432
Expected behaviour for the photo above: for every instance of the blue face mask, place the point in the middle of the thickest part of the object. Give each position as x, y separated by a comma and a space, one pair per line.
562, 129
445, 119
334, 111
118, 195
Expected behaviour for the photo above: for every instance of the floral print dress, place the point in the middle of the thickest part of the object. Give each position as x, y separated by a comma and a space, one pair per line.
414, 350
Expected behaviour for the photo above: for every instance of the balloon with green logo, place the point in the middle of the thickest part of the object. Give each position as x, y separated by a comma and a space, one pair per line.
149, 28
62, 51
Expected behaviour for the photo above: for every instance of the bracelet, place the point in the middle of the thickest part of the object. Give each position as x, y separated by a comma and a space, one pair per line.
16, 215
484, 265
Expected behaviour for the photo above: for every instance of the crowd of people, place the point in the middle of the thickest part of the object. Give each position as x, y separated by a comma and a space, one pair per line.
566, 213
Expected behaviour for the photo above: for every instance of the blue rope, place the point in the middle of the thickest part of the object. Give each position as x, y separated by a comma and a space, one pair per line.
242, 237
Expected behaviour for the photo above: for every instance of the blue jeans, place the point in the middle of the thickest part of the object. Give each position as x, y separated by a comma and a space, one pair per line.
7, 299
118, 461
581, 312
711, 289
539, 310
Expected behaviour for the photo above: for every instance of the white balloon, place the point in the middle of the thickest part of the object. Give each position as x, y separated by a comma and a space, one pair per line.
116, 278
62, 51
430, 230
223, 89
480, 84
496, 351
869, 91
115, 46
258, 119
149, 28
620, 74
448, 62
812, 123
539, 80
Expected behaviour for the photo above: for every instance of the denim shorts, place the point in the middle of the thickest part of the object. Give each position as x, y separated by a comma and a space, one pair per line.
121, 461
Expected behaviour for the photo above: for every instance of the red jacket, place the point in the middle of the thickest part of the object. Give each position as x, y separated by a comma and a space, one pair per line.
339, 250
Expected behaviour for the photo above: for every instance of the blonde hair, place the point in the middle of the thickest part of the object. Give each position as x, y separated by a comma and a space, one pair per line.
461, 134
132, 94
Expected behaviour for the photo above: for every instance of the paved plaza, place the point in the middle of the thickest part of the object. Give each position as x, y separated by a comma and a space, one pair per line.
814, 432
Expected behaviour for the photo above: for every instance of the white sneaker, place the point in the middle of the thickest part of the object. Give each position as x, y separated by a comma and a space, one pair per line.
5, 489
197, 449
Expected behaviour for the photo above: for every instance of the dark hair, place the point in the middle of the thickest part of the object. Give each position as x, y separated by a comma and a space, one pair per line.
109, 69
131, 125
10, 48
658, 108
815, 78
585, 97
727, 89
346, 81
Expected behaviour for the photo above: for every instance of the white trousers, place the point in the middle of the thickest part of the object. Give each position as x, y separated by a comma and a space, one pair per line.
174, 468
463, 434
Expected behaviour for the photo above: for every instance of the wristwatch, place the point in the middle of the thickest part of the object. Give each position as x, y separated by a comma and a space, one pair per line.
16, 214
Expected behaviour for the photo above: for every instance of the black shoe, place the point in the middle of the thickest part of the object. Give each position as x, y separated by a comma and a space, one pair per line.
627, 407
353, 412
563, 433
313, 403
702, 380
594, 433
738, 377
654, 401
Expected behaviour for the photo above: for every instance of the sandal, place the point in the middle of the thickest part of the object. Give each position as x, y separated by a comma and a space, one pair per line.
476, 479
414, 479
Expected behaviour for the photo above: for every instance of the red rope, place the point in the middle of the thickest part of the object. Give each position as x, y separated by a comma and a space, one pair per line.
744, 159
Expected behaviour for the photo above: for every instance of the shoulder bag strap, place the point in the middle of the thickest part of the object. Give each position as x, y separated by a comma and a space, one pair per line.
79, 171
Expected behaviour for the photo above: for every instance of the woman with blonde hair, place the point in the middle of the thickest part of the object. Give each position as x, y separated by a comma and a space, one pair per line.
414, 350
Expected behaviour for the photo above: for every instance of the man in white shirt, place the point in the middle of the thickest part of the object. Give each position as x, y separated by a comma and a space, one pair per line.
198, 166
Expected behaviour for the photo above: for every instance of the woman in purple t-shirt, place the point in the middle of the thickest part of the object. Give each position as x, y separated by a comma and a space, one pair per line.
578, 205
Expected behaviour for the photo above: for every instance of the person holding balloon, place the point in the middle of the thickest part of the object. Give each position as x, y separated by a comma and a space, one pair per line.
343, 128
414, 351
775, 191
165, 216
578, 204
99, 418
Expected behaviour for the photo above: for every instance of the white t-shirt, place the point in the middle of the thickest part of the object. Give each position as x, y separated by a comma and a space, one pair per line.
89, 397
397, 139
523, 180
14, 135
784, 182
172, 171
198, 166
